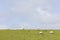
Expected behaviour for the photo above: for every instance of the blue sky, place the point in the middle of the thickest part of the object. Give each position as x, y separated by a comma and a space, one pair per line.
43, 14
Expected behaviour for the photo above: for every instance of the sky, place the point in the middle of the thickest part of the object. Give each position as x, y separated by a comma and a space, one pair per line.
30, 14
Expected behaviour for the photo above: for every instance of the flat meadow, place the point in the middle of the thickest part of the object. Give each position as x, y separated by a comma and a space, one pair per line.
29, 35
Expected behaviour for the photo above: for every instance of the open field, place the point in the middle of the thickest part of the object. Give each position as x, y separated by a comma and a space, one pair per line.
29, 35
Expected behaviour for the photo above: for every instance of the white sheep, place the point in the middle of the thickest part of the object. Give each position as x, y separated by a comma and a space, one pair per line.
51, 32
40, 32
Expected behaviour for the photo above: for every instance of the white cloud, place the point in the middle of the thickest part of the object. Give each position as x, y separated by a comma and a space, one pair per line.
34, 10
45, 16
3, 27
25, 25
27, 9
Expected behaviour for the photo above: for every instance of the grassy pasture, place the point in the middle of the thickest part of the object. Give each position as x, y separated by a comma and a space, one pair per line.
29, 35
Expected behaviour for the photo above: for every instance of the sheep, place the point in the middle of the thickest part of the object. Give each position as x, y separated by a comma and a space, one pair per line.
40, 32
51, 32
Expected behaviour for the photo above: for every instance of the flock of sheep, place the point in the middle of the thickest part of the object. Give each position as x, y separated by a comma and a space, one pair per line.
51, 32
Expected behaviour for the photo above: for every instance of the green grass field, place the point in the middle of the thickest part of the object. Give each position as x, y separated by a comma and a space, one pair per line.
29, 35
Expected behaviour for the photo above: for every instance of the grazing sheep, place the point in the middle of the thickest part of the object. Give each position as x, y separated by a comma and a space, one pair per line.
40, 32
51, 32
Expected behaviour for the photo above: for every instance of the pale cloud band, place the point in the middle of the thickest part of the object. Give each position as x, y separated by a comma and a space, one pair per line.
35, 11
